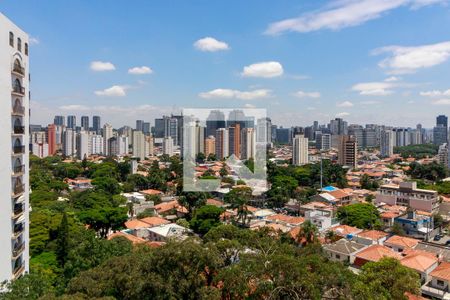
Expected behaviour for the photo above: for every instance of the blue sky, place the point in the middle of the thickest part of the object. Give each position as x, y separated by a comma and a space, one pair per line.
368, 61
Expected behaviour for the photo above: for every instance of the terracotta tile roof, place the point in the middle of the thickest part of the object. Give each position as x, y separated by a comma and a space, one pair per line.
151, 192
130, 237
410, 296
155, 221
135, 224
214, 202
167, 206
286, 219
442, 271
376, 252
389, 215
345, 229
374, 235
402, 241
418, 260
338, 194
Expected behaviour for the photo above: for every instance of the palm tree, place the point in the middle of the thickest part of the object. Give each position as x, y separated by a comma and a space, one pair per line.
308, 233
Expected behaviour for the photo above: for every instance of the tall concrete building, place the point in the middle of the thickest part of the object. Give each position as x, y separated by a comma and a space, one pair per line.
139, 144
167, 146
72, 122
107, 134
323, 141
83, 145
347, 151
96, 124
443, 155
59, 120
139, 125
210, 145
234, 142
387, 143
440, 131
194, 139
51, 139
248, 143
95, 144
222, 146
69, 142
14, 136
85, 123
299, 150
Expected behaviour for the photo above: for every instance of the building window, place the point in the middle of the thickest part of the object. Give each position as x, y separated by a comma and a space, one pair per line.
19, 44
26, 49
338, 256
440, 282
11, 39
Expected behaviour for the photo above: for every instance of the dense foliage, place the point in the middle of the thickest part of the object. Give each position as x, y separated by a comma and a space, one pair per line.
417, 151
361, 215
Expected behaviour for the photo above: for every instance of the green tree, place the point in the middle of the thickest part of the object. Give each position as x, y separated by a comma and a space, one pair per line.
386, 279
102, 220
205, 218
62, 241
30, 286
192, 200
361, 215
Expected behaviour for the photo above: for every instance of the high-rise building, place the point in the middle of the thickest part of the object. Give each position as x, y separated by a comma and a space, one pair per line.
222, 150
248, 143
149, 145
40, 149
59, 120
107, 134
69, 142
139, 125
347, 151
214, 121
387, 143
323, 141
283, 135
234, 140
194, 139
210, 145
82, 145
440, 131
444, 155
168, 146
71, 122
299, 150
138, 144
51, 139
96, 124
95, 144
338, 127
146, 128
14, 136
85, 123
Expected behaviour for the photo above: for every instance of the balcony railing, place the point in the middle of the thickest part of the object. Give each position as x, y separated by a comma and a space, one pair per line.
18, 229
19, 169
18, 189
19, 70
19, 90
18, 110
19, 149
18, 270
19, 129
18, 249
18, 211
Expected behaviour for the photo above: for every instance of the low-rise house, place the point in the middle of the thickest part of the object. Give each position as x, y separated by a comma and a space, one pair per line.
134, 239
421, 261
345, 230
285, 220
415, 225
407, 194
440, 251
151, 192
370, 237
163, 233
321, 218
79, 184
438, 286
343, 250
374, 253
336, 197
170, 208
154, 221
401, 243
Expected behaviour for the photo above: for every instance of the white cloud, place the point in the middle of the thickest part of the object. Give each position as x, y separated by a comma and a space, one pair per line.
441, 102
310, 108
248, 105
33, 40
373, 88
210, 44
342, 14
265, 69
369, 102
100, 66
435, 93
302, 94
242, 95
114, 91
342, 114
74, 107
404, 60
140, 70
392, 79
345, 104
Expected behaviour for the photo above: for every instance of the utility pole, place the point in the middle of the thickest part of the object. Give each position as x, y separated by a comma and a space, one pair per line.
321, 172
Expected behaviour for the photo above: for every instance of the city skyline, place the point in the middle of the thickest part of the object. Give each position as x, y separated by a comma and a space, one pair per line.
298, 60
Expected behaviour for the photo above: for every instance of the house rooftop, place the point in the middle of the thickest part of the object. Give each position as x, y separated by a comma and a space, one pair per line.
402, 241
155, 221
418, 260
442, 271
344, 246
376, 252
345, 230
374, 235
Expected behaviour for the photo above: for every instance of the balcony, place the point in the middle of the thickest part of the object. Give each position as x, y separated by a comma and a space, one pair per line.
18, 211
18, 170
18, 270
18, 90
18, 110
19, 149
18, 190
18, 249
19, 130
18, 70
18, 229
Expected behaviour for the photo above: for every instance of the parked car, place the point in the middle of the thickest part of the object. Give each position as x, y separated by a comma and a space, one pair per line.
447, 243
437, 237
